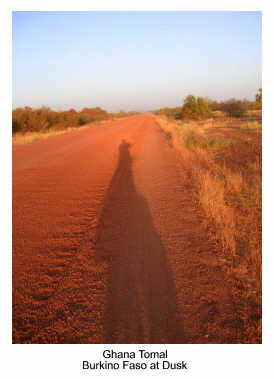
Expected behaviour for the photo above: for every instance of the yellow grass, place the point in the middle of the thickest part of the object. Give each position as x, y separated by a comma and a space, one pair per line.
21, 139
252, 125
230, 197
190, 139
221, 191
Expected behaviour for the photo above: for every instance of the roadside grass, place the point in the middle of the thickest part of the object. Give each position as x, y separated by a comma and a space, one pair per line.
225, 175
195, 144
252, 125
24, 138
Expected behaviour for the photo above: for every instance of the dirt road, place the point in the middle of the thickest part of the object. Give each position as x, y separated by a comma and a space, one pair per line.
108, 246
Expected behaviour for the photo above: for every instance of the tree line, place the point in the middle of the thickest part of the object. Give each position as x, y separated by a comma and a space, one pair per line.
43, 119
198, 108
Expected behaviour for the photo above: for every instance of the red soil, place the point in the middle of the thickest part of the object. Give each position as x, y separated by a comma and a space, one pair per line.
108, 246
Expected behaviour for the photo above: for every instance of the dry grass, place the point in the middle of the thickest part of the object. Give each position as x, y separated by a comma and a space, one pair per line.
212, 200
24, 138
252, 125
225, 173
21, 139
192, 140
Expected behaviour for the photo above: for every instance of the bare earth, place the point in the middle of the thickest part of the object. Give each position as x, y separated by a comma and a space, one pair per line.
108, 246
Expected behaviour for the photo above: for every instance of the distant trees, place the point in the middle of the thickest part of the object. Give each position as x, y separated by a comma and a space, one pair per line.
27, 119
170, 112
83, 119
192, 109
259, 98
42, 119
201, 108
94, 114
124, 114
235, 108
214, 105
239, 108
196, 108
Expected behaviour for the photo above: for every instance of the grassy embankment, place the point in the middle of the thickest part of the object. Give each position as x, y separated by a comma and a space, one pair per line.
222, 159
28, 137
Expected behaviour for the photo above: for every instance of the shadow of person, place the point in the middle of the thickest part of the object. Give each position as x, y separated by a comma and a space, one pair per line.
141, 299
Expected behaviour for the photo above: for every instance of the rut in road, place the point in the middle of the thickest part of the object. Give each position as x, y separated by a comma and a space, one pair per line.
141, 299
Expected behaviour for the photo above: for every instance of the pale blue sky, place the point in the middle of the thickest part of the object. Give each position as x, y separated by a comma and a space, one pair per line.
133, 60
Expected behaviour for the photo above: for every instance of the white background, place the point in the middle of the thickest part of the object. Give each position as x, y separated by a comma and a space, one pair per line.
204, 361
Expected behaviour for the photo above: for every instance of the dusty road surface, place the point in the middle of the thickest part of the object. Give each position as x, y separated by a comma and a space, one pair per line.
108, 246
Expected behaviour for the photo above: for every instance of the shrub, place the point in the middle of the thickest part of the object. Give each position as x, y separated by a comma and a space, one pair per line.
175, 113
235, 108
195, 108
44, 119
259, 99
83, 119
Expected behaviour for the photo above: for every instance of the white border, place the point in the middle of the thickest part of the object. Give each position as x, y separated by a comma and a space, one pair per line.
205, 361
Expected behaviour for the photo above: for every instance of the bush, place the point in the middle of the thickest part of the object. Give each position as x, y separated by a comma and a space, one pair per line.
44, 119
259, 99
83, 119
196, 108
170, 112
235, 108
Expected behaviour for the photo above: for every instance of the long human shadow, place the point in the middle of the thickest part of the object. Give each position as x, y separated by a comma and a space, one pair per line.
141, 299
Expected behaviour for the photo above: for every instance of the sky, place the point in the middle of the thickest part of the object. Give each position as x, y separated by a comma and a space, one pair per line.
133, 60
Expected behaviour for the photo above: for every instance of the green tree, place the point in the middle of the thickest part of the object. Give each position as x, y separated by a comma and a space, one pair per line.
196, 108
259, 98
83, 119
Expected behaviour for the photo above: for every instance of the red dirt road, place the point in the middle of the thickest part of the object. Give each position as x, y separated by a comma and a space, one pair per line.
108, 246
